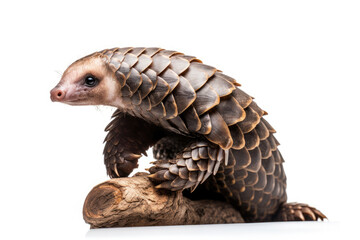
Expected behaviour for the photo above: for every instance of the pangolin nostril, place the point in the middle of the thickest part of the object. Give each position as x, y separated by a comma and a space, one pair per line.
57, 94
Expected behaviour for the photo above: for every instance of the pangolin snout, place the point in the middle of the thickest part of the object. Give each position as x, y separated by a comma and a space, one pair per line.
57, 94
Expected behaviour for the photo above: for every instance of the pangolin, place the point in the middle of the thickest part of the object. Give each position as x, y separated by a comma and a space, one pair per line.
207, 134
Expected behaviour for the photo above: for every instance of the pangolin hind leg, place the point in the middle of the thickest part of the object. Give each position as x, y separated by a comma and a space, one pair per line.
298, 212
259, 192
189, 167
128, 137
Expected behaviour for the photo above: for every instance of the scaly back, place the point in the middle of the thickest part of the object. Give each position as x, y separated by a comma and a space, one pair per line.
183, 95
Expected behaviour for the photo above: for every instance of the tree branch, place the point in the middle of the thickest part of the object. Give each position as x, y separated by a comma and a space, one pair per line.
123, 202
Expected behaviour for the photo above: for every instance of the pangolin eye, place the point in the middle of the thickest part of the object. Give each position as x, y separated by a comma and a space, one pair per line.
91, 81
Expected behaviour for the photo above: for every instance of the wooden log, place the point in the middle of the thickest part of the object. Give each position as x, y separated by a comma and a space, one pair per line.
124, 202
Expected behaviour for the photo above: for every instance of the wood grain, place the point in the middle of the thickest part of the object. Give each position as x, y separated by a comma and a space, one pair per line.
125, 202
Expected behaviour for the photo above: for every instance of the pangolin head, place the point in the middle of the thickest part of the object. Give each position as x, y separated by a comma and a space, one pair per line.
88, 81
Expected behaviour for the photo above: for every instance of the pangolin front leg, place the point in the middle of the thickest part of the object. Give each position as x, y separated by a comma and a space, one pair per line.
128, 137
190, 167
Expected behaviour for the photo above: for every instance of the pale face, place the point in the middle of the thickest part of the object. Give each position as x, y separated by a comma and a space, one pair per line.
88, 81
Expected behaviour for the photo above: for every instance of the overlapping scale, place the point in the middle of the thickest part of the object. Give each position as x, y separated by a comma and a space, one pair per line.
252, 140
243, 98
220, 133
269, 165
206, 99
159, 110
250, 121
124, 50
191, 119
191, 167
151, 51
160, 92
179, 124
125, 91
262, 180
242, 157
262, 130
191, 58
137, 51
160, 63
134, 80
170, 106
257, 109
116, 60
170, 53
136, 98
124, 69
265, 148
237, 136
143, 63
198, 73
221, 85
171, 78
146, 86
230, 110
130, 59
255, 164
184, 94
179, 64
227, 78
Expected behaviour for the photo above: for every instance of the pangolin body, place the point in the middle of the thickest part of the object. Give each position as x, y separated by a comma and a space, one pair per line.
204, 129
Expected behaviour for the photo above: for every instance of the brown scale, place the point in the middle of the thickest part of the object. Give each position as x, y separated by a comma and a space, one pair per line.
207, 131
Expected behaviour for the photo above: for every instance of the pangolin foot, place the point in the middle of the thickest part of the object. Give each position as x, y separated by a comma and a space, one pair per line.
298, 212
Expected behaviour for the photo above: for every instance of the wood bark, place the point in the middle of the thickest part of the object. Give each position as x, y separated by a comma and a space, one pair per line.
124, 202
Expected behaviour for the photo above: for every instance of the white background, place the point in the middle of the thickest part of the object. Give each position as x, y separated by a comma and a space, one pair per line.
299, 59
